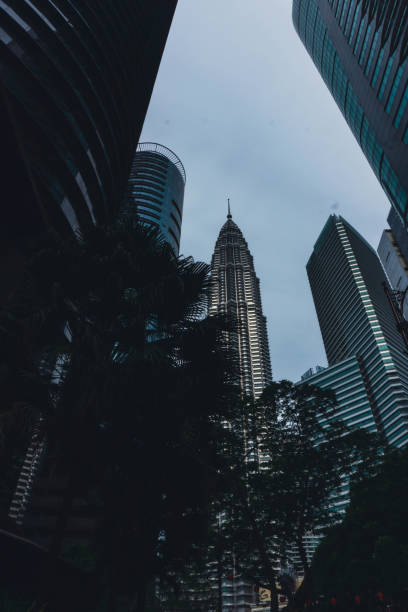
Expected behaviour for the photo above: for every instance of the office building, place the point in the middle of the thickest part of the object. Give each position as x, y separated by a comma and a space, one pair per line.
156, 190
393, 253
76, 83
236, 292
399, 232
393, 261
368, 366
360, 47
357, 324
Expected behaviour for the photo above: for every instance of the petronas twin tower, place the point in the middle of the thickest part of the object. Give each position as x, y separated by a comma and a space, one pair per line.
236, 292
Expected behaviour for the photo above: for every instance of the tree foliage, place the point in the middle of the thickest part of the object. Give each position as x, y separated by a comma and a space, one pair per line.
368, 552
130, 411
288, 454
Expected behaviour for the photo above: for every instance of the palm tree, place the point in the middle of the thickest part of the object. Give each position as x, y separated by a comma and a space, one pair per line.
143, 375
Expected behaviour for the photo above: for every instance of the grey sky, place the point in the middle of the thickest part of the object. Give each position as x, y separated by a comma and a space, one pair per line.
240, 101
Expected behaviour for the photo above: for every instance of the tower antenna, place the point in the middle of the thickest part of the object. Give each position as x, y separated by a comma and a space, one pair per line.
229, 216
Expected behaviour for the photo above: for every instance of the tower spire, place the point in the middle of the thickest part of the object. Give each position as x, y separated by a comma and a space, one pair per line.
229, 216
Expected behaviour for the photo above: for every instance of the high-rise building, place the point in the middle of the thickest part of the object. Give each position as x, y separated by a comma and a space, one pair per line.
368, 365
399, 232
393, 253
360, 47
357, 324
393, 261
76, 78
236, 292
156, 190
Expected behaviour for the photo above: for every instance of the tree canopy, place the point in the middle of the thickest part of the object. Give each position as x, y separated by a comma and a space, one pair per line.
367, 553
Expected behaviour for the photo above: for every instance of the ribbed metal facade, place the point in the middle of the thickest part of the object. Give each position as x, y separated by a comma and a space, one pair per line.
77, 79
356, 406
360, 48
236, 291
156, 190
356, 321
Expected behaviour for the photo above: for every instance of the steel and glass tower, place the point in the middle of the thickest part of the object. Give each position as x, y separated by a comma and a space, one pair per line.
359, 332
368, 365
235, 291
156, 190
360, 47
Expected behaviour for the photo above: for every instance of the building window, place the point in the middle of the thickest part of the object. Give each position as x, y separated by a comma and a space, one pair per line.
401, 109
385, 78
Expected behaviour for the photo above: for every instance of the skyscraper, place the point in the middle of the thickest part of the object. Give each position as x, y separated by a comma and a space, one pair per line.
235, 291
357, 324
360, 48
393, 252
393, 261
76, 83
156, 190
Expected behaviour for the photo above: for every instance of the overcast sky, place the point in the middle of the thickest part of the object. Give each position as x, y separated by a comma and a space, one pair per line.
239, 100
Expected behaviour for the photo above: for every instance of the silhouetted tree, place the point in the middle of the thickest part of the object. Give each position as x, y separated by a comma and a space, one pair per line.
289, 454
367, 553
133, 376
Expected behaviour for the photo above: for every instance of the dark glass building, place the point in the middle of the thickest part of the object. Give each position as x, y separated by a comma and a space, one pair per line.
156, 190
77, 78
356, 321
360, 47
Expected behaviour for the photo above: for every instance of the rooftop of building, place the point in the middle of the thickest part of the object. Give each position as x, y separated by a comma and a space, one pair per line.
155, 147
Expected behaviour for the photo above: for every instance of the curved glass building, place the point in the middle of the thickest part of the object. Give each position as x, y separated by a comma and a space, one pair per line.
77, 78
156, 190
360, 47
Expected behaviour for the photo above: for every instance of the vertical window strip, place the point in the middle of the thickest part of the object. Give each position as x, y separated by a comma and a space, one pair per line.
314, 31
385, 77
343, 13
372, 51
377, 67
365, 43
401, 109
394, 89
355, 20
349, 16
360, 31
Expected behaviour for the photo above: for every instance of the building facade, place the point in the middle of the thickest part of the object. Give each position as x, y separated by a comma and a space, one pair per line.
360, 47
76, 78
393, 261
156, 190
357, 322
368, 364
236, 292
399, 232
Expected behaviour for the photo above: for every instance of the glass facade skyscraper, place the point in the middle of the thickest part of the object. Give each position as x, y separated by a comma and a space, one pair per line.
156, 190
236, 291
360, 47
357, 323
76, 83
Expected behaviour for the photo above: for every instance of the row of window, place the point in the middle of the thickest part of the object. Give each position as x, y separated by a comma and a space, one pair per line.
313, 31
